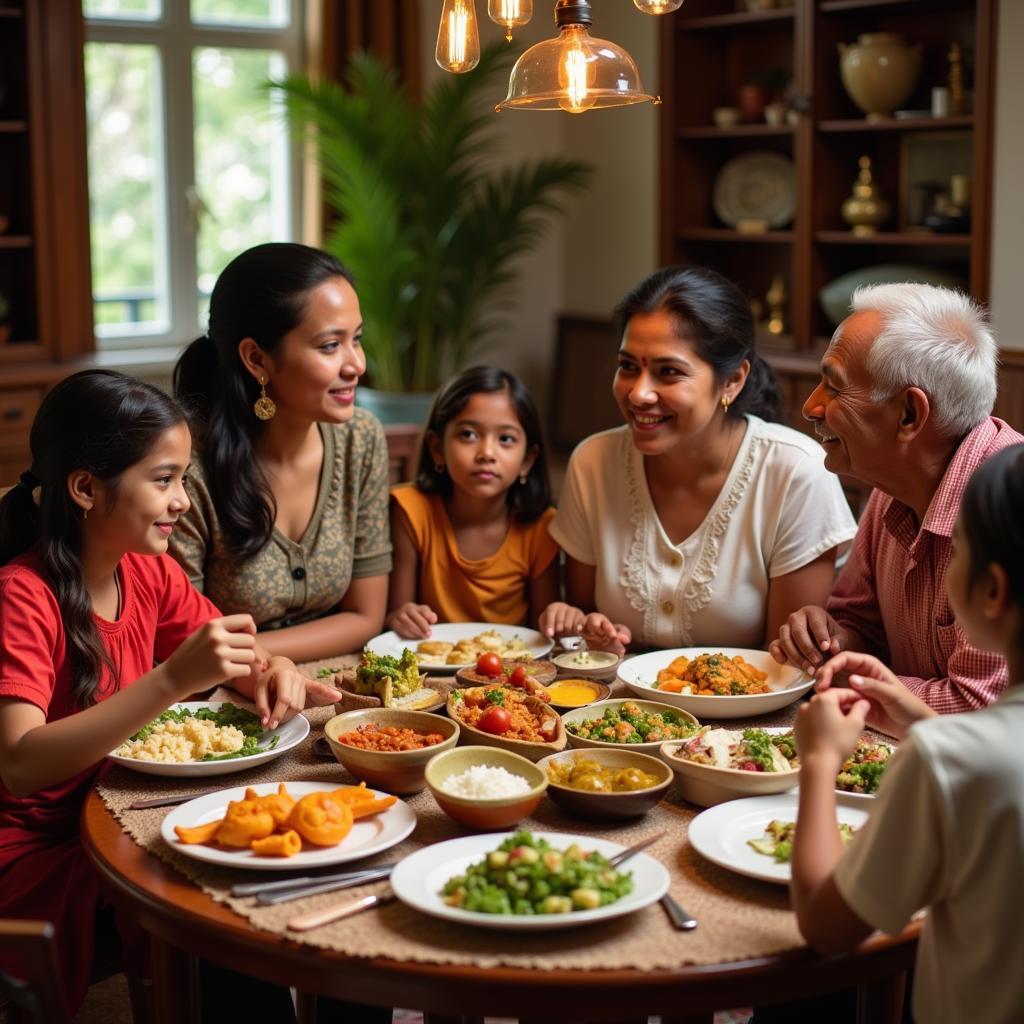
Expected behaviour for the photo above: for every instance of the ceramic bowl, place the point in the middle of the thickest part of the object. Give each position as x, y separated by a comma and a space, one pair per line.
608, 806
592, 711
560, 695
726, 117
785, 683
394, 772
533, 750
485, 813
705, 786
588, 664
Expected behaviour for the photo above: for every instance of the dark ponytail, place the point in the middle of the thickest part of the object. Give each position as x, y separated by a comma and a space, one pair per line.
102, 422
261, 294
718, 318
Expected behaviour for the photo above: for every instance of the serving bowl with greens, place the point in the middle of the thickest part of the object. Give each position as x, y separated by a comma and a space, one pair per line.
200, 738
637, 724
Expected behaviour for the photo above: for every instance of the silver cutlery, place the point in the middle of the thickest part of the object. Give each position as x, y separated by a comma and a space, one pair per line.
680, 919
168, 801
304, 922
255, 888
286, 895
618, 859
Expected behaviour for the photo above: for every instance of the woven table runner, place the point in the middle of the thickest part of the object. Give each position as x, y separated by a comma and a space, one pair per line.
740, 918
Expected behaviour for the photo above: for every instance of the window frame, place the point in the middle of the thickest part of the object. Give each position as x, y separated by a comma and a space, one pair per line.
175, 37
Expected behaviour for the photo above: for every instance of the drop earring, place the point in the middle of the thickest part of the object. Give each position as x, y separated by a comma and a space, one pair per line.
523, 477
264, 406
725, 403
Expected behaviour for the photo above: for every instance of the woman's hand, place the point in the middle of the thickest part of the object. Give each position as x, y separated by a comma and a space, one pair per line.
281, 691
560, 619
412, 621
893, 708
807, 638
602, 634
220, 649
827, 729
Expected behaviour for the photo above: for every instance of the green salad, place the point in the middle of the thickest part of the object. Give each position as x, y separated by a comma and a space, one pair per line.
778, 839
629, 723
862, 771
526, 875
227, 714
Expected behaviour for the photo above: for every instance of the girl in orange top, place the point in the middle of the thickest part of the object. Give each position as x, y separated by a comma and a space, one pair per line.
471, 541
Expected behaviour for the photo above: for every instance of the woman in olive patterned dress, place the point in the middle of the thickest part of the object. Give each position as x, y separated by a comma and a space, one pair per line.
289, 481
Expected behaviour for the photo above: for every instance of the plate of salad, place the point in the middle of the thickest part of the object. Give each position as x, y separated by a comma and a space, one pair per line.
199, 738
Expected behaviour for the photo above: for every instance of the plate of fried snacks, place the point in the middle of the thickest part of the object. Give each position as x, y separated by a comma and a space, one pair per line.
715, 682
455, 645
754, 836
207, 738
286, 826
527, 881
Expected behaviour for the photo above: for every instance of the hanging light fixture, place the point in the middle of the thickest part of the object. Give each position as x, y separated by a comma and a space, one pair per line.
657, 6
576, 71
510, 13
458, 39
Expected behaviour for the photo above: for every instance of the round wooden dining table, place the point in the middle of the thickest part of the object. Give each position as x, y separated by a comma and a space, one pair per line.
186, 924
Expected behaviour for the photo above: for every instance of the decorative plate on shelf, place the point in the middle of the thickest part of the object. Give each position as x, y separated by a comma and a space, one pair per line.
756, 186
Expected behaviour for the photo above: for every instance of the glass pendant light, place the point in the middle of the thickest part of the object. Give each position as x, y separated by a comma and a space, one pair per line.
575, 72
657, 6
510, 13
458, 38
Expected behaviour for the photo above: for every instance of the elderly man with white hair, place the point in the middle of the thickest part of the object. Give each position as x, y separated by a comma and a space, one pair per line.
904, 404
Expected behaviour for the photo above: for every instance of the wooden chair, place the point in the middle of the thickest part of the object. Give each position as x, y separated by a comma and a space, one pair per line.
38, 997
403, 450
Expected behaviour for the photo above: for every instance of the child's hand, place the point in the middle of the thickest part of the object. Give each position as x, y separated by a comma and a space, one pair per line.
560, 619
827, 728
602, 634
893, 708
290, 691
412, 621
221, 649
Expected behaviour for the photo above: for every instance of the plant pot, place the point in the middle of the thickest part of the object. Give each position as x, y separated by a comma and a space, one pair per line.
879, 71
752, 101
392, 407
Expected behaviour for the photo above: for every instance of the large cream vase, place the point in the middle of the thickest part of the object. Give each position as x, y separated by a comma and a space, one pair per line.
879, 72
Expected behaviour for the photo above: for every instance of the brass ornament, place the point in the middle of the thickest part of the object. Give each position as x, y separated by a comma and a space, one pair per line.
264, 406
725, 403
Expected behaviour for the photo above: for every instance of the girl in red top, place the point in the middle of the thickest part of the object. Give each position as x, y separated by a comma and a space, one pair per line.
88, 599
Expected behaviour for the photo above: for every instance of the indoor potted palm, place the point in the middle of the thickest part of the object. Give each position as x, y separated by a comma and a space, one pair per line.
427, 226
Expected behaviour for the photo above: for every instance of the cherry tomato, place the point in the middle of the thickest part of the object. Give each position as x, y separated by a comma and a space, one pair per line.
489, 664
517, 676
495, 720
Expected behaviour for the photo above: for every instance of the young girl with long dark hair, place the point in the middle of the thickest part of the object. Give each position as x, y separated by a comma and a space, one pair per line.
471, 535
88, 600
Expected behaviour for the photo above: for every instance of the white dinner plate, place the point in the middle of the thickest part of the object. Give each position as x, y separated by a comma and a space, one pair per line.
368, 836
786, 683
291, 734
451, 632
721, 833
418, 879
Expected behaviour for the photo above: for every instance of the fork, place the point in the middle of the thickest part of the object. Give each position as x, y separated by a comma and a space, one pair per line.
624, 855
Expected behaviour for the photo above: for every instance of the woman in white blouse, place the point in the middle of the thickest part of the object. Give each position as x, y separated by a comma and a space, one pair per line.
699, 522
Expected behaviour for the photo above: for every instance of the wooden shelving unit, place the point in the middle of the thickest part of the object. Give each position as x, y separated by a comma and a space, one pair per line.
710, 50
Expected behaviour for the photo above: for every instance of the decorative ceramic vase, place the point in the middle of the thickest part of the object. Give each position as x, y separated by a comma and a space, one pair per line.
865, 209
752, 101
879, 71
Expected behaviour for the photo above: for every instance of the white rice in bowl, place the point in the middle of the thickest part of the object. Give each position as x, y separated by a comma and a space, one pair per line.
485, 782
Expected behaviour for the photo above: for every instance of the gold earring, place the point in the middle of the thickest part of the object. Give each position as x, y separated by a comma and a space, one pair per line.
85, 514
438, 467
523, 477
725, 403
264, 406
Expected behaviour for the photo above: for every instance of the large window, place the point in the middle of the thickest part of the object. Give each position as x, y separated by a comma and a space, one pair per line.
189, 157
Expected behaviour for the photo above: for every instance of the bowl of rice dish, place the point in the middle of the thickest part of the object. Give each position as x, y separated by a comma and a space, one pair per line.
718, 764
387, 748
485, 787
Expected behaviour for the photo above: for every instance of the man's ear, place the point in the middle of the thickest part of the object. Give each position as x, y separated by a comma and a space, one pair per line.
81, 488
915, 410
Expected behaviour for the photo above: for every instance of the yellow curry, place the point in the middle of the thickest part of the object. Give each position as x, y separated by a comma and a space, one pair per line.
572, 693
593, 777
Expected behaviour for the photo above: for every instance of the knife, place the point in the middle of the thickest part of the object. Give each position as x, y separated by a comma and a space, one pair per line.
285, 895
167, 801
321, 917
255, 888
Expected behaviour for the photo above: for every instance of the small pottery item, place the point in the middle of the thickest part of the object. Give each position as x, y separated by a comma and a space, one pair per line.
726, 117
879, 71
752, 101
775, 299
755, 186
835, 296
775, 113
865, 209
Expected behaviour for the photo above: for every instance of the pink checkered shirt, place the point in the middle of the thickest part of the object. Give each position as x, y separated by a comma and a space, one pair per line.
892, 589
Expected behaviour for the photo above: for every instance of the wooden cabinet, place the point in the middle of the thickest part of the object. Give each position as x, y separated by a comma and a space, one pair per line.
711, 49
44, 210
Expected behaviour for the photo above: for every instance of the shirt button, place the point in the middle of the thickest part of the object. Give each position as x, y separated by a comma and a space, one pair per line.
667, 607
677, 560
298, 573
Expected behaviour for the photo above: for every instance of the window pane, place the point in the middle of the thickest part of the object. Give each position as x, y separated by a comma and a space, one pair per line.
242, 12
139, 10
126, 189
241, 153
